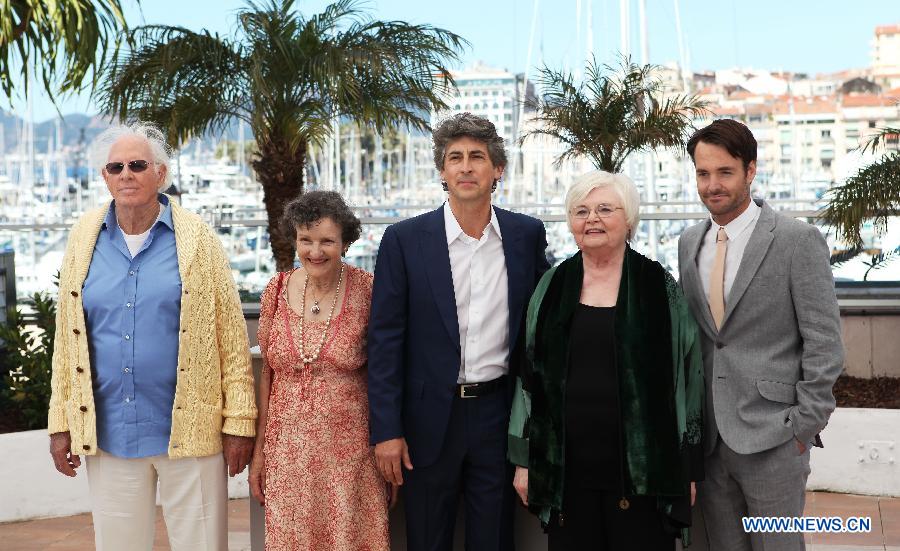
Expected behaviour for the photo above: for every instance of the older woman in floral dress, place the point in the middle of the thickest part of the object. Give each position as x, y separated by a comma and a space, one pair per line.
312, 466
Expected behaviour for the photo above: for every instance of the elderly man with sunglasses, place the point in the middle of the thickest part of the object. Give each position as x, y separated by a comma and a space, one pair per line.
151, 371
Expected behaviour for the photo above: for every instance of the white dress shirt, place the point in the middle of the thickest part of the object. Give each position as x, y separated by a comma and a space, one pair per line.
482, 303
738, 232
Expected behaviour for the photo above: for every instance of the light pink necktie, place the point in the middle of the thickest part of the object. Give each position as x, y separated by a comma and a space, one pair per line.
717, 279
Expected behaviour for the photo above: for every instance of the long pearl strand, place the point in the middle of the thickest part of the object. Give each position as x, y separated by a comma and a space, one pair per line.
315, 356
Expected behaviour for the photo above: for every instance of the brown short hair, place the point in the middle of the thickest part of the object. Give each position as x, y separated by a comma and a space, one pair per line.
734, 136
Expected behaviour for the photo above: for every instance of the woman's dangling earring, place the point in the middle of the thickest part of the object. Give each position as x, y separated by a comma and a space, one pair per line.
444, 185
494, 186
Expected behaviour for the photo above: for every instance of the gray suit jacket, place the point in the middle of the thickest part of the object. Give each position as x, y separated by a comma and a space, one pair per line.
771, 368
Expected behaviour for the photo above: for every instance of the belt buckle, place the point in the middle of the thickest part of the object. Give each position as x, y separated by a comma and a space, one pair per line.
462, 390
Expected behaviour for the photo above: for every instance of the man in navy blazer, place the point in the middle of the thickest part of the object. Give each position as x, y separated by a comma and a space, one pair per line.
450, 292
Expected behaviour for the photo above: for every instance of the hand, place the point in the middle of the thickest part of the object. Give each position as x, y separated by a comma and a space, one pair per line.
237, 451
801, 447
388, 457
61, 452
520, 483
693, 493
393, 496
257, 478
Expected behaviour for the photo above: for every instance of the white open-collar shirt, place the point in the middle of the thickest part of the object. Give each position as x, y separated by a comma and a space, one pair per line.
482, 300
738, 232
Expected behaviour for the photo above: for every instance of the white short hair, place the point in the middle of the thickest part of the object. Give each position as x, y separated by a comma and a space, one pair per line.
621, 184
162, 153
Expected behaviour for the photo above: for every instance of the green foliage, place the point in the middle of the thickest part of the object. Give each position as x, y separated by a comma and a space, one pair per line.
878, 259
27, 360
57, 39
614, 112
873, 193
287, 75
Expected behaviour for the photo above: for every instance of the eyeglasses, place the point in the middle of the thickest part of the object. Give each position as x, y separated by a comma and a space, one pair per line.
139, 165
603, 211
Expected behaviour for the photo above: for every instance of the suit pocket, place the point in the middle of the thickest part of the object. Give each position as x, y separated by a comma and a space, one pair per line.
775, 391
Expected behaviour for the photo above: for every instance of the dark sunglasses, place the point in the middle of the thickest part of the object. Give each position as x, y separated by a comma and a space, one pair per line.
134, 166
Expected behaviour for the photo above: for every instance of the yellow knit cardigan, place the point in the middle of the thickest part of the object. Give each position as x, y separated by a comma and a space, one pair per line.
214, 386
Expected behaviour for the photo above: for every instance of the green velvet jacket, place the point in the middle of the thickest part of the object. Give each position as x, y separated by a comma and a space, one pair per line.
660, 374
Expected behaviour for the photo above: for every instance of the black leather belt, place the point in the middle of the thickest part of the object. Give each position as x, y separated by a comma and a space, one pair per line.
476, 390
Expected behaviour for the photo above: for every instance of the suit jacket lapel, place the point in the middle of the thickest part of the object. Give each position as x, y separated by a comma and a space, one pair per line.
692, 285
515, 271
754, 253
436, 253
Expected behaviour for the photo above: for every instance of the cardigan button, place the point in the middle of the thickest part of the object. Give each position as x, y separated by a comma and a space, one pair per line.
74, 293
76, 331
79, 369
720, 344
85, 447
83, 408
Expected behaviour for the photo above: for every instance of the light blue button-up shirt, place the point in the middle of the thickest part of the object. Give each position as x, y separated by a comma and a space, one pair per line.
132, 308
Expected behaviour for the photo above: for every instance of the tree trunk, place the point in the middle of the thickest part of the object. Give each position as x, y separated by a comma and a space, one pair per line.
280, 172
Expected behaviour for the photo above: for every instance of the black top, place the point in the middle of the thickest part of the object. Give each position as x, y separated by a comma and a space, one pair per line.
592, 401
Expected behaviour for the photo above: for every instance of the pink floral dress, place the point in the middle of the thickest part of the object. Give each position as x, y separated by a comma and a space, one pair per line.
323, 490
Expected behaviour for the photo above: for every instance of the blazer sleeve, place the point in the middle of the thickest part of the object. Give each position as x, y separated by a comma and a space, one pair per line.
819, 323
239, 408
387, 340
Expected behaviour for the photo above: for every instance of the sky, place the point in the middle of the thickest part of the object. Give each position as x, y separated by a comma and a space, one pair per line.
811, 36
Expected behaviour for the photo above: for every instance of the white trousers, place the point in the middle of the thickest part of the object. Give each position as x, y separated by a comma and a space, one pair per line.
193, 492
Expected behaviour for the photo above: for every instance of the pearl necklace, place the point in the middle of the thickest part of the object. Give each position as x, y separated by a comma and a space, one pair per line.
315, 356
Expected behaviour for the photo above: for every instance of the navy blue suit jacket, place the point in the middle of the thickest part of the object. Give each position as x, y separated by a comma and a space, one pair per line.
413, 344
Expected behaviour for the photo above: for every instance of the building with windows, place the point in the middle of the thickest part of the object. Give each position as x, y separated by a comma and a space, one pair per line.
886, 56
493, 93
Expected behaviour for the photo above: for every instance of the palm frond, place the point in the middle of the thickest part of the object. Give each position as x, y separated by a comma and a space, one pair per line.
873, 193
614, 112
65, 42
187, 82
880, 139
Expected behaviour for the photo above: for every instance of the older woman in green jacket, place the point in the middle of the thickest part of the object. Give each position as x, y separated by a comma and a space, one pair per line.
606, 421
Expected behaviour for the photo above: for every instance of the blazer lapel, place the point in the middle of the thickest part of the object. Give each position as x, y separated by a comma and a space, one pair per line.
515, 271
436, 253
692, 285
756, 250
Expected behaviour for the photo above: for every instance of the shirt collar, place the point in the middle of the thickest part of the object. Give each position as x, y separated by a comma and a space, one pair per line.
737, 226
451, 224
165, 214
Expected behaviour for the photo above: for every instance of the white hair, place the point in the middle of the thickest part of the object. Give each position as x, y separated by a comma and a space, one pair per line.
162, 153
619, 183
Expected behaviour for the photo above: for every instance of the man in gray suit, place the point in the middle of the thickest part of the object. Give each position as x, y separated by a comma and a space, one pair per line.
760, 286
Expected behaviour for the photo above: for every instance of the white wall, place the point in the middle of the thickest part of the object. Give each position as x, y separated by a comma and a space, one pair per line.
31, 487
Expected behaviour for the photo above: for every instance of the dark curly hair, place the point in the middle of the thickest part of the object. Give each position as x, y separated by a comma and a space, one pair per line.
467, 125
313, 206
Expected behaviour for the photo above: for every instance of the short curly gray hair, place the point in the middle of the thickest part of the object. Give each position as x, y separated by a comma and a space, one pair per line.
162, 153
313, 206
464, 125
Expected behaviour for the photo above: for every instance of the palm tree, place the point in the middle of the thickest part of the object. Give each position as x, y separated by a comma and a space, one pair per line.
873, 193
289, 78
612, 113
59, 40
